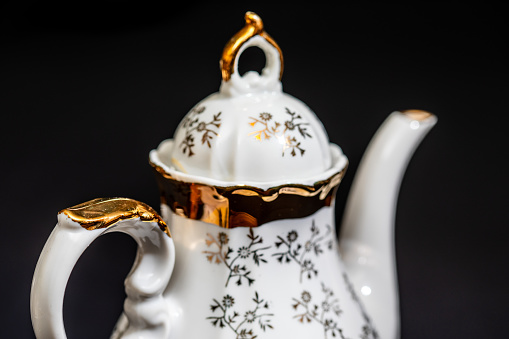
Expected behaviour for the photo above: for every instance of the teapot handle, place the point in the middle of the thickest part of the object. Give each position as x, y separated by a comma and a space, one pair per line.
145, 313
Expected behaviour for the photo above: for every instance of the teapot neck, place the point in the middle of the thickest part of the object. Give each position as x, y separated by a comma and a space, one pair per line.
242, 205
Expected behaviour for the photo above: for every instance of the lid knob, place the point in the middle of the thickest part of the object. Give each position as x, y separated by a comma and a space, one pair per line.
254, 26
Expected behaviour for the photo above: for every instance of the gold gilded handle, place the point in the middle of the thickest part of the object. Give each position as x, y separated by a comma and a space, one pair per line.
253, 27
145, 309
105, 212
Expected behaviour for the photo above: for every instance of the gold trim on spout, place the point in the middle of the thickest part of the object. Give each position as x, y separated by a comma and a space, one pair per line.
417, 114
106, 212
254, 26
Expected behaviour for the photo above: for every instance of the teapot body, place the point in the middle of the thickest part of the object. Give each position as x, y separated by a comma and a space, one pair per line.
283, 279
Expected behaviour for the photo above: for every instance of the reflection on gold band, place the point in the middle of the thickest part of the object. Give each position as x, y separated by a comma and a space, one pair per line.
105, 212
254, 26
244, 206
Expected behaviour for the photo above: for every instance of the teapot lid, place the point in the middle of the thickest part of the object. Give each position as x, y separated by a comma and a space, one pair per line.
251, 131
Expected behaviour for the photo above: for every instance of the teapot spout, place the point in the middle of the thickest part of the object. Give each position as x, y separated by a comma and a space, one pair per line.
367, 232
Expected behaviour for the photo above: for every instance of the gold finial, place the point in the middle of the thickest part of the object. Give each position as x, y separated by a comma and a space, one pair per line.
253, 19
254, 26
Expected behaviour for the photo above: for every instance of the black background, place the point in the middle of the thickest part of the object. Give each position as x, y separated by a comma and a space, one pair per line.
88, 89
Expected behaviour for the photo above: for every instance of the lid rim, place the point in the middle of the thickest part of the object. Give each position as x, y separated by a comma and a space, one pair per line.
339, 163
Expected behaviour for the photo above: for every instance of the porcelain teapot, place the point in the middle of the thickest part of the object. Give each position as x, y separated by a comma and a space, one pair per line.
246, 246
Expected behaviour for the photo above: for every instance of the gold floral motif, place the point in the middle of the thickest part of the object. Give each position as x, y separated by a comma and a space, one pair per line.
282, 131
193, 124
300, 252
325, 313
241, 326
106, 212
220, 252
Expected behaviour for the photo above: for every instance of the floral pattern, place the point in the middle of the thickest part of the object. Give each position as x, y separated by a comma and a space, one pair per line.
326, 312
368, 331
222, 253
240, 324
194, 125
322, 309
300, 253
285, 132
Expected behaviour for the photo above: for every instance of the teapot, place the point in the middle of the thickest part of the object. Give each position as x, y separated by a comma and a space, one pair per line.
246, 244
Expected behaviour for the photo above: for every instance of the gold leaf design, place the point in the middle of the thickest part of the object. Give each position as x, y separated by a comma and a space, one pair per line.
105, 212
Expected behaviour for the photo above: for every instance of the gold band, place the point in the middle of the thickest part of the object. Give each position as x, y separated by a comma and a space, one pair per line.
254, 26
244, 206
105, 212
